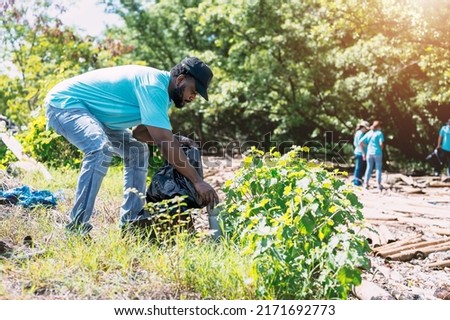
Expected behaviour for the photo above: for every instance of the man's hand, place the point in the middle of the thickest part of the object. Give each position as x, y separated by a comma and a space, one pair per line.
172, 152
207, 194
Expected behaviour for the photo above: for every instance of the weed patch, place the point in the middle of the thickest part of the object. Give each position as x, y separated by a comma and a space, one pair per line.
296, 220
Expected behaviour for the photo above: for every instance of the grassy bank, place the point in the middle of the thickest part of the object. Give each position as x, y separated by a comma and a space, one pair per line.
58, 266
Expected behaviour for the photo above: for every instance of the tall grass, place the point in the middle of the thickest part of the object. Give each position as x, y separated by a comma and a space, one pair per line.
110, 266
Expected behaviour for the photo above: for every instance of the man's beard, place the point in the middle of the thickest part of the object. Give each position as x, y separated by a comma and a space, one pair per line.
177, 96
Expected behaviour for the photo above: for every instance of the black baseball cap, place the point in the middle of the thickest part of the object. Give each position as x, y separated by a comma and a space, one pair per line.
200, 72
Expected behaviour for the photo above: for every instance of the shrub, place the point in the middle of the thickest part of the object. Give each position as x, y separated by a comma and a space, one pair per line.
47, 146
297, 221
6, 157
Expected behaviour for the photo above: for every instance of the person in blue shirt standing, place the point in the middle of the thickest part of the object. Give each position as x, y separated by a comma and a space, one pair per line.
374, 140
444, 144
94, 112
360, 164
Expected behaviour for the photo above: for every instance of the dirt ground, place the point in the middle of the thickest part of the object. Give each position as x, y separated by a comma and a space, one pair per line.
408, 228
408, 207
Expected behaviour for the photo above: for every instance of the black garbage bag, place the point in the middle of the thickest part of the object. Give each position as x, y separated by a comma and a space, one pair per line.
168, 183
436, 159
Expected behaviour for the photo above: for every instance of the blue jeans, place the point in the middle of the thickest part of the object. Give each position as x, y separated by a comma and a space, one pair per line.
99, 143
360, 168
446, 159
377, 161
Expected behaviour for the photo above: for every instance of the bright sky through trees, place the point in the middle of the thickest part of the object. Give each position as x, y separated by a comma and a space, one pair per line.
88, 16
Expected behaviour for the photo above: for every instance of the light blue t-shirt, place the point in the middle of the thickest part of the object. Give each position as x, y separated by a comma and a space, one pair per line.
445, 135
119, 97
357, 139
373, 140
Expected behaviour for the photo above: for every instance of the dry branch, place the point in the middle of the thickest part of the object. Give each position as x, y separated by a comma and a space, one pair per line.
397, 244
426, 222
418, 254
395, 250
438, 184
439, 264
444, 232
408, 180
25, 162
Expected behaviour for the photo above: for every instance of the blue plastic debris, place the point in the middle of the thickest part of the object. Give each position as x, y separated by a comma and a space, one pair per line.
27, 198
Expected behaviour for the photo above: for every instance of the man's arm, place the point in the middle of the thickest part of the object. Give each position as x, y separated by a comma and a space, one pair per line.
141, 133
439, 143
171, 150
362, 145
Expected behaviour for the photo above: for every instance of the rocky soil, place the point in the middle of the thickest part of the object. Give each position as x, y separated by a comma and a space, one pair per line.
408, 207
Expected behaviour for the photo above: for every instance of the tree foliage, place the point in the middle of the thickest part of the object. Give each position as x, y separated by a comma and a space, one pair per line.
300, 68
288, 70
41, 52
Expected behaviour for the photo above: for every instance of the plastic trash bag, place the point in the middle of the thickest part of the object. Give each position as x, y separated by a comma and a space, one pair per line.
168, 182
27, 197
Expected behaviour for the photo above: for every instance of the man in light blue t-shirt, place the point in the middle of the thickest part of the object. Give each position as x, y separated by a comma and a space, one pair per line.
444, 144
94, 112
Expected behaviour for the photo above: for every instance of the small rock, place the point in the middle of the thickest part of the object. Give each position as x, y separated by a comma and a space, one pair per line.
5, 249
443, 292
396, 276
28, 241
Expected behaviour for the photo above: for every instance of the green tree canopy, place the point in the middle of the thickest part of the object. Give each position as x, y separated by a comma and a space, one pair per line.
293, 70
43, 52
297, 69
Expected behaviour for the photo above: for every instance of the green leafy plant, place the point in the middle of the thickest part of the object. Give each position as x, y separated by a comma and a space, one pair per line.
298, 223
47, 146
6, 157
